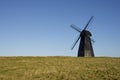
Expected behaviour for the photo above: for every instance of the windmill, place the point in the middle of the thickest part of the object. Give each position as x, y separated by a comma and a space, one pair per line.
85, 46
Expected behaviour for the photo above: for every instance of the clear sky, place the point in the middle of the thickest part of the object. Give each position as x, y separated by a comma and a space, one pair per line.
42, 27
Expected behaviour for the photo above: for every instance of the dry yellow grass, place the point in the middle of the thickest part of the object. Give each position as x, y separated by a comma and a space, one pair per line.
59, 68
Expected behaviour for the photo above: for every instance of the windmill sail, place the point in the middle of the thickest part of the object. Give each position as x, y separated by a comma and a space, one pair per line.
75, 42
88, 22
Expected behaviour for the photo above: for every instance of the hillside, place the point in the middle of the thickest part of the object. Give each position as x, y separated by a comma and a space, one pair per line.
59, 68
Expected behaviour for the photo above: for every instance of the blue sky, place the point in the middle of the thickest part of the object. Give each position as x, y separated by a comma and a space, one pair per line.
42, 27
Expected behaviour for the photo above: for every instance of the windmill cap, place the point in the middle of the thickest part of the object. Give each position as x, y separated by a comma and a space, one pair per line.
85, 33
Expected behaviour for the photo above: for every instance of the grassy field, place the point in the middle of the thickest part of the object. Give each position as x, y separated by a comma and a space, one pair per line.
59, 68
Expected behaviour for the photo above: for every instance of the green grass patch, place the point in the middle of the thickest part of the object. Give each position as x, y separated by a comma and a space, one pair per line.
59, 68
